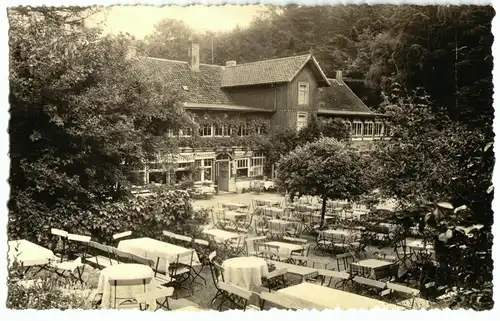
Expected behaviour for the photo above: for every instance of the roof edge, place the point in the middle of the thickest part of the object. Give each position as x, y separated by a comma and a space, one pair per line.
345, 112
316, 64
223, 107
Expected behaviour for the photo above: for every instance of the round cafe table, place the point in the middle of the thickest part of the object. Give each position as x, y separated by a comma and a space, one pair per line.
245, 272
118, 285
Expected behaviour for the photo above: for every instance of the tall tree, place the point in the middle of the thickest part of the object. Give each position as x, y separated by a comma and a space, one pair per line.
326, 168
82, 116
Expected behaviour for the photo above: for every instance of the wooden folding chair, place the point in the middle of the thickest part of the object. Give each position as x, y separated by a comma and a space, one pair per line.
236, 296
62, 237
201, 247
157, 295
275, 280
412, 293
67, 268
343, 277
261, 228
343, 261
217, 273
251, 249
324, 242
180, 270
372, 286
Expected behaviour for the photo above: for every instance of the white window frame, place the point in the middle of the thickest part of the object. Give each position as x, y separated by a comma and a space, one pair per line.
366, 128
302, 121
182, 134
222, 131
357, 124
257, 170
202, 129
227, 131
243, 131
204, 166
243, 163
380, 132
303, 93
259, 130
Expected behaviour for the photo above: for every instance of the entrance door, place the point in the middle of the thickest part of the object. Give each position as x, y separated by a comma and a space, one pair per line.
223, 175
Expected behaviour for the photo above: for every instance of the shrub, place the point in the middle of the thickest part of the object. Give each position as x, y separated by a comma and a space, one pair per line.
48, 292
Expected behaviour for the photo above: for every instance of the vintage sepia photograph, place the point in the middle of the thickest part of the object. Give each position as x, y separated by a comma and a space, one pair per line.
255, 157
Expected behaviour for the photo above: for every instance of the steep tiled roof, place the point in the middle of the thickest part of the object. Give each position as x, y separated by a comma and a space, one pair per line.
340, 98
202, 86
263, 72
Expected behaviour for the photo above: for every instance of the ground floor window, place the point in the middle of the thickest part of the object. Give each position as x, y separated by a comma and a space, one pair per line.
368, 129
204, 170
257, 164
158, 177
357, 128
378, 129
242, 167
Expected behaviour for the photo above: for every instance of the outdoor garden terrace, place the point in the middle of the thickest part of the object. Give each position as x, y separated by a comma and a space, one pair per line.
258, 253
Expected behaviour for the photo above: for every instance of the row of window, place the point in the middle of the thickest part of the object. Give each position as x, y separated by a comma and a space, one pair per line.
245, 167
368, 128
219, 131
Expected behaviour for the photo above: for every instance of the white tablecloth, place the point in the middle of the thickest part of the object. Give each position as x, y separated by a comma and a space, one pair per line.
152, 249
221, 235
286, 248
313, 296
29, 254
234, 216
341, 234
245, 272
279, 225
130, 280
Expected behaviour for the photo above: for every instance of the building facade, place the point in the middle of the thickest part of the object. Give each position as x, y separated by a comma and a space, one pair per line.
236, 103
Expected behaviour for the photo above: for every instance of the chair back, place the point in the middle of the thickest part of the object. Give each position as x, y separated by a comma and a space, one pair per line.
63, 237
344, 261
234, 290
276, 273
278, 300
217, 272
333, 274
183, 238
58, 232
201, 242
122, 256
212, 256
182, 259
122, 235
79, 238
403, 289
370, 282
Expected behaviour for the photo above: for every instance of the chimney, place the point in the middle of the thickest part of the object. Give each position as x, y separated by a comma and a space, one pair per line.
131, 52
194, 56
230, 63
339, 76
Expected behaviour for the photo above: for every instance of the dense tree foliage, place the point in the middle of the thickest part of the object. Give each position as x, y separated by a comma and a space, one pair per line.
281, 141
326, 168
446, 50
81, 117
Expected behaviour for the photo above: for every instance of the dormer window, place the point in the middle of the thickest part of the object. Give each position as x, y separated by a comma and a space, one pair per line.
303, 93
